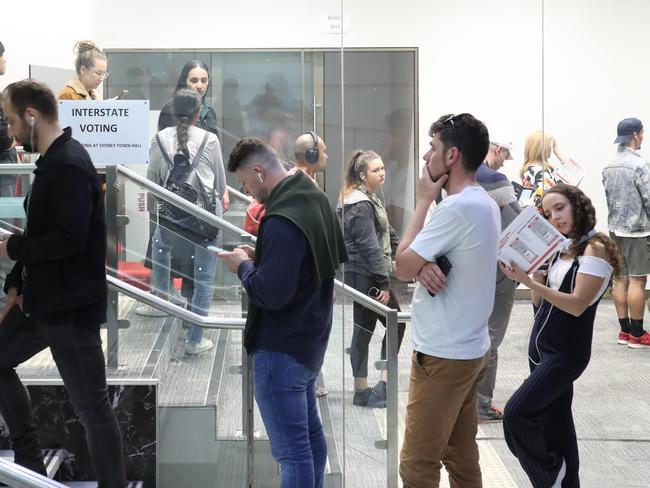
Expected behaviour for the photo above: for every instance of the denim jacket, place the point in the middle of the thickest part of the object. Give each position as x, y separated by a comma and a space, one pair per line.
627, 188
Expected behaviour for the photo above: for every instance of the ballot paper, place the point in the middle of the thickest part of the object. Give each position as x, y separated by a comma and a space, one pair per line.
570, 173
529, 241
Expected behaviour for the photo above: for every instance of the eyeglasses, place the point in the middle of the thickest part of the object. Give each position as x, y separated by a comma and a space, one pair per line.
101, 74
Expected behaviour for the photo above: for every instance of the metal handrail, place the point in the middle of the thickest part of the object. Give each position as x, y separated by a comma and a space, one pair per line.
240, 195
391, 315
172, 309
212, 219
181, 203
25, 169
20, 477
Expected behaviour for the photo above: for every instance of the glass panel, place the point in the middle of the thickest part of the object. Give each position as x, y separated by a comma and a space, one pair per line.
380, 98
149, 75
194, 386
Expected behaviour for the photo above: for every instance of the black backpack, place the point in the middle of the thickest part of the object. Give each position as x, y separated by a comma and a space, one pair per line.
183, 180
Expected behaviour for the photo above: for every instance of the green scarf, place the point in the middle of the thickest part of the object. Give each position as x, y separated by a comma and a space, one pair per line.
298, 200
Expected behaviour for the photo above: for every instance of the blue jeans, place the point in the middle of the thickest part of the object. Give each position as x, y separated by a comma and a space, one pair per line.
285, 391
205, 268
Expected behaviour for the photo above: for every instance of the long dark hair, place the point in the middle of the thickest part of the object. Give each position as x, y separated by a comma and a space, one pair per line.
187, 67
186, 104
584, 221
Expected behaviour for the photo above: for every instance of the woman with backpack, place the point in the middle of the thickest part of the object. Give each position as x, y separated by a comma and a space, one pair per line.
186, 160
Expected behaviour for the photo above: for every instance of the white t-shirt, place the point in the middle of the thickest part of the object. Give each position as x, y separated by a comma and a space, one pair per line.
465, 228
590, 265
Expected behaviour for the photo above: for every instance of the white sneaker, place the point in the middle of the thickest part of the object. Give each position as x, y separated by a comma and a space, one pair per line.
198, 347
560, 475
149, 311
176, 298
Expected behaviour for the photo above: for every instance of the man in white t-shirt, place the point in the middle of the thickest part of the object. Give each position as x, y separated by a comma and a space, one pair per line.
450, 329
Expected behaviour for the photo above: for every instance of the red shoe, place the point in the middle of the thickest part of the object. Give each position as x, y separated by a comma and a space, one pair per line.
623, 338
639, 342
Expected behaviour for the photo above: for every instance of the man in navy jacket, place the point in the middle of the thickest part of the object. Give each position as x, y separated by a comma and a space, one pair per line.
289, 279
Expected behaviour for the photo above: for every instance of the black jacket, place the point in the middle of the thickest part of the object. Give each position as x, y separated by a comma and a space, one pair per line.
363, 241
61, 256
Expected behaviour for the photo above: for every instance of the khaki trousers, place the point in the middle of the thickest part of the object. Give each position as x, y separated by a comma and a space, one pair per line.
441, 422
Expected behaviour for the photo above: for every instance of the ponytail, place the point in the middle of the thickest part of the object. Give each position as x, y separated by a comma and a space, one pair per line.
186, 104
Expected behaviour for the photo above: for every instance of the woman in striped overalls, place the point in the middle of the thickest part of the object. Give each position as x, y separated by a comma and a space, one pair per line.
538, 422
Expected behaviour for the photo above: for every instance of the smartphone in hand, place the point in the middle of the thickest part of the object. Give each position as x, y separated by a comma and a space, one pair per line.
445, 266
122, 95
216, 249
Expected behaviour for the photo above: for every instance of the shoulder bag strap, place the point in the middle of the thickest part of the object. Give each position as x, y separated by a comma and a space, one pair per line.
170, 163
197, 157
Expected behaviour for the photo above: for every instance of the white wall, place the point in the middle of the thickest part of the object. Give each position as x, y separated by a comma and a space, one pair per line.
42, 32
480, 56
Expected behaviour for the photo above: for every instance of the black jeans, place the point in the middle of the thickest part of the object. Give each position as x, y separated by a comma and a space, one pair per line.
77, 352
365, 321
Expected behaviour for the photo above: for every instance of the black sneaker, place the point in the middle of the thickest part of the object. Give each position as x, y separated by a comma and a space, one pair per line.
360, 398
377, 397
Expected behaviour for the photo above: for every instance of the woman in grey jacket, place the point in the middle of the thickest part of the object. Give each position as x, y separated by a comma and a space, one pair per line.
370, 242
188, 139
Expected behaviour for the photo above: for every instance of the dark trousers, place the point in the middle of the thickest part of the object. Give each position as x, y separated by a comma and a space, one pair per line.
365, 321
77, 352
538, 423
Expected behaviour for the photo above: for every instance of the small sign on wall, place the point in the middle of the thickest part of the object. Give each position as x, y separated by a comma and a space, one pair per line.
112, 131
333, 23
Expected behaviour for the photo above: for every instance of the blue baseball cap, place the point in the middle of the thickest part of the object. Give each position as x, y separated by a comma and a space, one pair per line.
626, 129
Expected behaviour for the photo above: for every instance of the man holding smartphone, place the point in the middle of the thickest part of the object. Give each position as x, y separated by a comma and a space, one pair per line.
56, 291
449, 331
289, 280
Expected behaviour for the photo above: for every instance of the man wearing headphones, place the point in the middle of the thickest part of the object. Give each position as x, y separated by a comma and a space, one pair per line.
311, 157
56, 291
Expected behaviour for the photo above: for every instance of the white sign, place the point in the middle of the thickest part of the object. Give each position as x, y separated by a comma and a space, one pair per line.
112, 131
334, 23
529, 241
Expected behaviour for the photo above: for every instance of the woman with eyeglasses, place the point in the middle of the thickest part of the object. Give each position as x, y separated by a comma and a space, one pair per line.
371, 243
538, 422
91, 67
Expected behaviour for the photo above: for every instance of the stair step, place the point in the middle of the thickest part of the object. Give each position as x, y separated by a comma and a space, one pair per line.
93, 484
51, 457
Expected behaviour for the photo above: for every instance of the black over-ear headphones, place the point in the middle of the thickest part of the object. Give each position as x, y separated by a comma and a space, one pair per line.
312, 154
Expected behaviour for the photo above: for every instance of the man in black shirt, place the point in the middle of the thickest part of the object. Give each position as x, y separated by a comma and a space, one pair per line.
56, 291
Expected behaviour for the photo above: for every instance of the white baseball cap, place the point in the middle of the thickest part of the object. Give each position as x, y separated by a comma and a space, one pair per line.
500, 139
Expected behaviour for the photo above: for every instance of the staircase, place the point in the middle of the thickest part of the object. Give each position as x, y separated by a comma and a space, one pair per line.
53, 458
